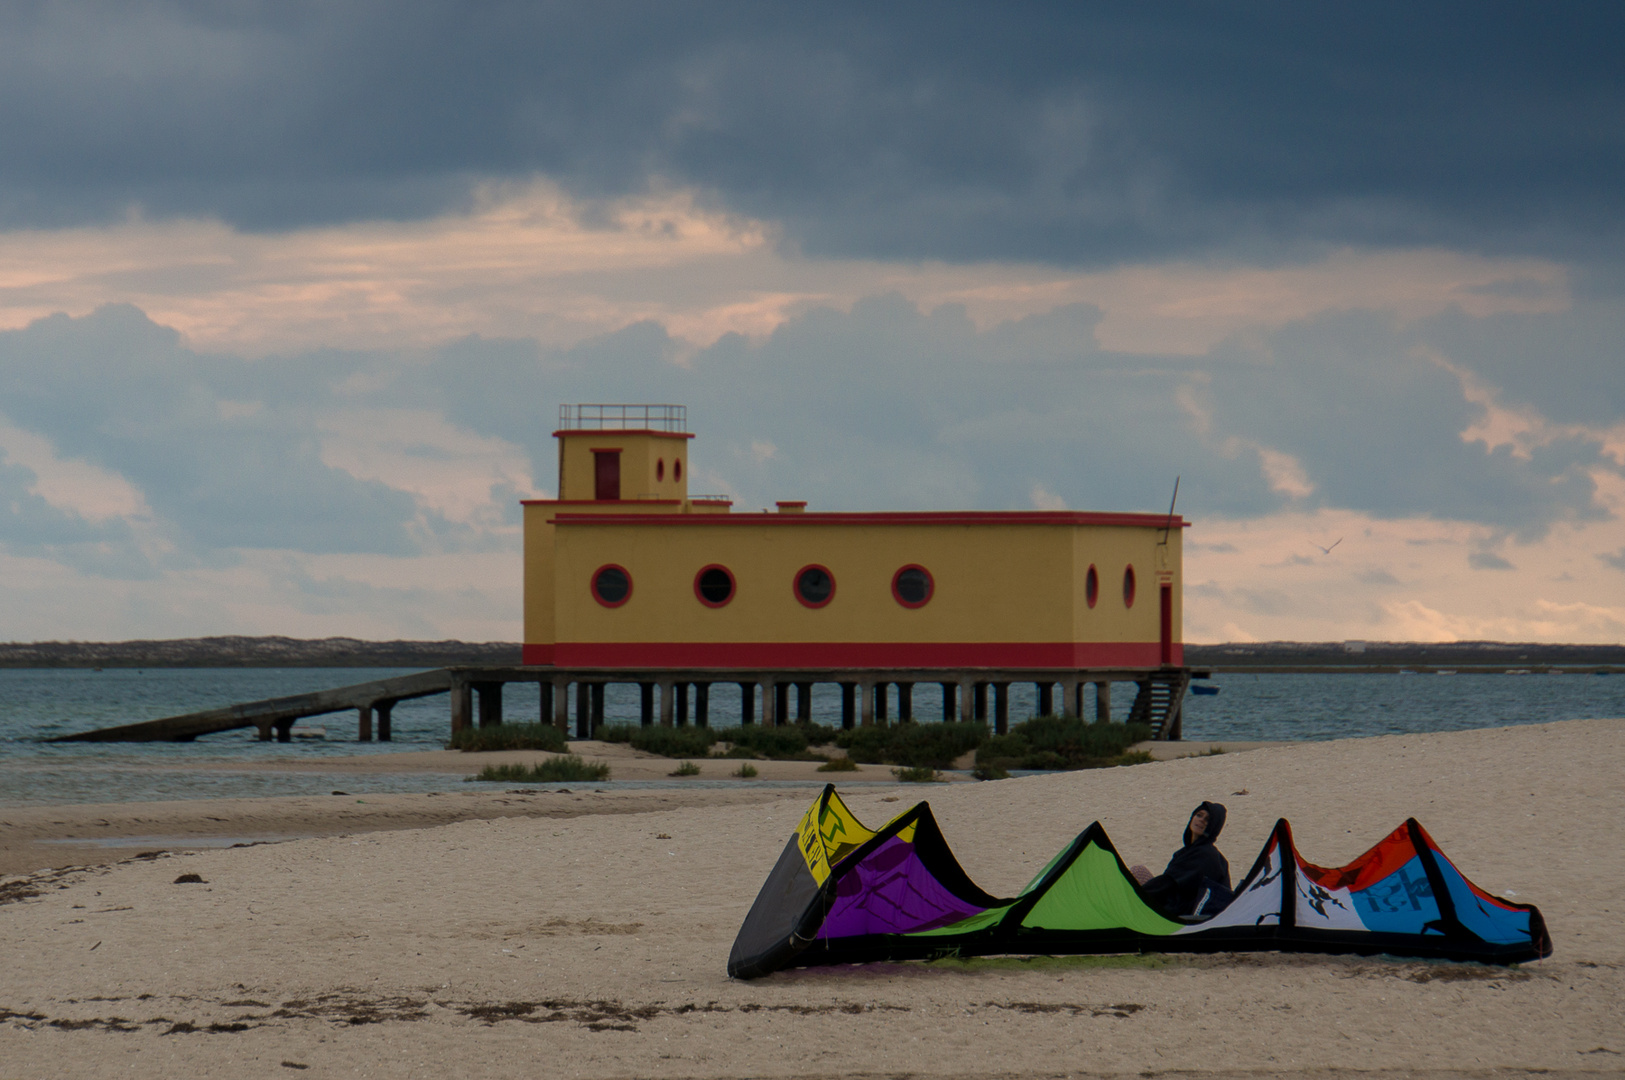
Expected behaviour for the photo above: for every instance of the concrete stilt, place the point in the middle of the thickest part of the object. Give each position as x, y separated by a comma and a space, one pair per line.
967, 701
1046, 699
781, 703
882, 702
385, 709
597, 708
769, 699
667, 703
905, 701
646, 714
804, 702
583, 710
1001, 708
681, 690
546, 710
867, 689
747, 703
490, 703
561, 705
284, 731
849, 705
702, 704
948, 703
981, 701
1103, 700
363, 717
462, 707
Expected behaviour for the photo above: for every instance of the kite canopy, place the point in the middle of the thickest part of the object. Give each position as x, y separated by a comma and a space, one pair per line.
842, 893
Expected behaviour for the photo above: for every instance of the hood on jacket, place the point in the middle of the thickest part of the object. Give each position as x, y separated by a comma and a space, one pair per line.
1215, 823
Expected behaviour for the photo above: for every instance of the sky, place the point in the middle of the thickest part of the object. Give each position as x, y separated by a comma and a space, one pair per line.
290, 294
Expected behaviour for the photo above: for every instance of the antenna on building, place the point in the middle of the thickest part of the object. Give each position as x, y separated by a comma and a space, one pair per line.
1171, 503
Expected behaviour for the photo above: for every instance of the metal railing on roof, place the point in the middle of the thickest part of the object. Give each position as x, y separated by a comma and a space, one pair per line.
601, 417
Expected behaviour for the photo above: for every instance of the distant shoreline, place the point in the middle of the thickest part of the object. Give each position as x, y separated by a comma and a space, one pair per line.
1371, 657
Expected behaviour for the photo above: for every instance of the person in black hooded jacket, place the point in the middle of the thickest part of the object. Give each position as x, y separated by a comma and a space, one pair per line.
1197, 881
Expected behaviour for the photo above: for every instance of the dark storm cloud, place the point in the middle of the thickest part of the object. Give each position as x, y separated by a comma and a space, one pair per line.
1069, 132
119, 392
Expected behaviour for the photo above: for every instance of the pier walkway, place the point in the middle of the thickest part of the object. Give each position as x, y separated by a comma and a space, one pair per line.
680, 696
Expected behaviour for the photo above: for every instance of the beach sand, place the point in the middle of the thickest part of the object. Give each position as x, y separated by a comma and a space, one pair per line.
586, 933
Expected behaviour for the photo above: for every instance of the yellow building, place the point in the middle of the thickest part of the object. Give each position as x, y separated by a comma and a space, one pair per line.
627, 570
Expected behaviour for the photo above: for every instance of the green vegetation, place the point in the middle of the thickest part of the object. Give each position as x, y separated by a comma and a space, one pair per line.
923, 774
788, 743
989, 772
567, 768
840, 764
509, 737
672, 742
931, 746
745, 771
686, 768
1054, 742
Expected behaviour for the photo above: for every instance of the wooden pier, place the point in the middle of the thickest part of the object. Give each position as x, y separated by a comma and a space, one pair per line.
672, 696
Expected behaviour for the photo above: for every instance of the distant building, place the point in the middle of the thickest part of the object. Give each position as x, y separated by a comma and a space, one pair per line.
625, 569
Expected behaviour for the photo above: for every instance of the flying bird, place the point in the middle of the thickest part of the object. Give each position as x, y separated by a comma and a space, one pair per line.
1328, 550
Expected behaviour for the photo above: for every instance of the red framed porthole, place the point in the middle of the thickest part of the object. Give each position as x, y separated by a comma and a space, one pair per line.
677, 469
814, 585
913, 586
1091, 585
714, 585
611, 585
1128, 585
660, 468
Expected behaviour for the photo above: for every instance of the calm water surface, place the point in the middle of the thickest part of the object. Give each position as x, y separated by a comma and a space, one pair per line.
38, 704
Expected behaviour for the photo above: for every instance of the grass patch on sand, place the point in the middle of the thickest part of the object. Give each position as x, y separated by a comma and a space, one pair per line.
687, 768
509, 737
565, 769
749, 741
672, 742
745, 771
912, 745
1056, 742
922, 774
839, 764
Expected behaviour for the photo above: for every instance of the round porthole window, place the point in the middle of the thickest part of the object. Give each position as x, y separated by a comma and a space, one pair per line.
1128, 586
714, 585
815, 586
1091, 586
660, 468
912, 586
611, 585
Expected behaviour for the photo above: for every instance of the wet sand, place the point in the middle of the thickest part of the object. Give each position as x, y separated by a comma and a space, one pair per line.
586, 933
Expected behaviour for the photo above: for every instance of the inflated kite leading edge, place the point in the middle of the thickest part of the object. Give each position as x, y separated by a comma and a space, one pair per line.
842, 893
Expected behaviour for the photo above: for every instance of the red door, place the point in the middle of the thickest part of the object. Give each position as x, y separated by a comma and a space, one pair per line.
1166, 598
606, 474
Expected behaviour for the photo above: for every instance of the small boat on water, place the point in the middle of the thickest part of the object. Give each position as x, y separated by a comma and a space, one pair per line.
1204, 689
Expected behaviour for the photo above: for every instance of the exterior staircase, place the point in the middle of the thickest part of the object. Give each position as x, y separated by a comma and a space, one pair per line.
1161, 701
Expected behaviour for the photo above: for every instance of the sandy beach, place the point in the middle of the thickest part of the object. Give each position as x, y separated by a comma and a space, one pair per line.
502, 933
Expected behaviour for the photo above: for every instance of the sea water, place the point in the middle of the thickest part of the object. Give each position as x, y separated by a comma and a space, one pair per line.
38, 704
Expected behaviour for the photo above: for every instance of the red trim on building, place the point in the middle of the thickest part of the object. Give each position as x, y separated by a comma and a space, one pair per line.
950, 517
530, 655
792, 655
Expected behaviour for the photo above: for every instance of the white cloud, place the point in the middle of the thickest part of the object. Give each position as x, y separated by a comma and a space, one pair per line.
78, 487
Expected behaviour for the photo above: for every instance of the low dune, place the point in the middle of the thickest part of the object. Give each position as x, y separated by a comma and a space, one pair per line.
585, 933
